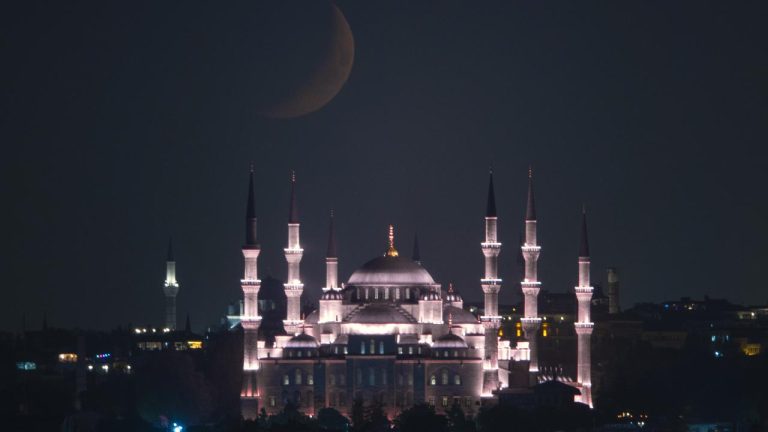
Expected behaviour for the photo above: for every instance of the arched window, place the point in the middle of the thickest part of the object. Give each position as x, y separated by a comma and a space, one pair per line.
381, 347
298, 353
332, 380
362, 347
297, 376
286, 380
444, 377
373, 346
457, 379
310, 379
433, 380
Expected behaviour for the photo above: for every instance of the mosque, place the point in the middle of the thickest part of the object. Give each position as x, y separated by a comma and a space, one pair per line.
394, 335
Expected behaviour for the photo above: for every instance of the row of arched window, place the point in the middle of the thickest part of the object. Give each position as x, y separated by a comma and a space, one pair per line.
444, 378
298, 378
386, 293
371, 347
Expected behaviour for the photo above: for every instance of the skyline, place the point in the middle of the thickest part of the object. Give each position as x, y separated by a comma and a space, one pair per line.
127, 128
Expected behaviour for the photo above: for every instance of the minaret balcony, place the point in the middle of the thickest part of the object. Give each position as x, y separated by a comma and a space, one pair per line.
250, 282
293, 286
490, 245
526, 248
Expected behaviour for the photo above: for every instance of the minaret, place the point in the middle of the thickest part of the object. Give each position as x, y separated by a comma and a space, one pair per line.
530, 283
250, 319
491, 284
613, 291
331, 259
584, 325
293, 254
331, 299
170, 289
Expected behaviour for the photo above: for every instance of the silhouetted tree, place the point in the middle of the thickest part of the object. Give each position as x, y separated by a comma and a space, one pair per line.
457, 421
331, 420
421, 418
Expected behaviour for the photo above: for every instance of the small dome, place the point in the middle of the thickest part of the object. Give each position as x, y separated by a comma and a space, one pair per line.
391, 270
449, 340
452, 296
302, 340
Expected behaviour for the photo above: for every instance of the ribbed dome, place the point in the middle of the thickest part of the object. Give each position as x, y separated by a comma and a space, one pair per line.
449, 340
391, 270
302, 340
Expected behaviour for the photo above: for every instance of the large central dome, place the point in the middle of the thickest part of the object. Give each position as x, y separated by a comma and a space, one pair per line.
391, 270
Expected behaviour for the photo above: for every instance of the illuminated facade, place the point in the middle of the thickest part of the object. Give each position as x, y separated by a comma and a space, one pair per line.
391, 334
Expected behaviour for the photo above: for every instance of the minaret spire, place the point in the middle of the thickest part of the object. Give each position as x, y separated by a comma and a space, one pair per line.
530, 284
293, 211
530, 208
416, 253
250, 320
170, 288
584, 324
331, 258
491, 285
293, 253
250, 214
490, 209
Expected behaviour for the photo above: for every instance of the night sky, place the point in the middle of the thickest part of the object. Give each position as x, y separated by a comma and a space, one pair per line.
124, 123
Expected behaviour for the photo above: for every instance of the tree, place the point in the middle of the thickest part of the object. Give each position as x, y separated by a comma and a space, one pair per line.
457, 421
421, 418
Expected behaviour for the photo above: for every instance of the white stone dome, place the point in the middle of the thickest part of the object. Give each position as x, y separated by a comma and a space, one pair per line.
391, 270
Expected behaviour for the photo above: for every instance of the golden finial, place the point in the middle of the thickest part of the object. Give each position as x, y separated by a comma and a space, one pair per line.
530, 171
450, 318
450, 287
391, 251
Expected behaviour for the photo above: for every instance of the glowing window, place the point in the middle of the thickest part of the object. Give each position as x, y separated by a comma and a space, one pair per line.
310, 379
433, 381
457, 379
362, 347
410, 350
444, 401
272, 401
373, 346
381, 347
400, 350
286, 380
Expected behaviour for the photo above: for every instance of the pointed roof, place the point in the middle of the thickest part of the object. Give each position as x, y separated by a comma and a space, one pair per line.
250, 213
530, 210
416, 253
584, 241
331, 252
490, 210
293, 211
170, 250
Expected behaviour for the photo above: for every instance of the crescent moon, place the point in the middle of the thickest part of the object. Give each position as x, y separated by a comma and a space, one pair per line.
327, 79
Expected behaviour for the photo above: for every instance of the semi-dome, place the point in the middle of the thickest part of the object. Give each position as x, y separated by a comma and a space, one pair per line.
450, 340
458, 315
302, 340
391, 270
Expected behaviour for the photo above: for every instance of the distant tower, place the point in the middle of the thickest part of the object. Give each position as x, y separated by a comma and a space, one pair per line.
170, 289
530, 284
293, 254
250, 320
584, 325
491, 284
613, 291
